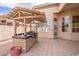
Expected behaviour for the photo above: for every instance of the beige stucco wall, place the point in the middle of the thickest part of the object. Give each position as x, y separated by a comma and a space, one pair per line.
67, 35
45, 34
49, 11
51, 32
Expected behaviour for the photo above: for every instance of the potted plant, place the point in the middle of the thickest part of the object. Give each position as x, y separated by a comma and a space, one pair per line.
15, 51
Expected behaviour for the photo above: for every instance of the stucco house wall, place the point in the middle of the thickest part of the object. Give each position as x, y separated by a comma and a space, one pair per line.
68, 35
64, 35
71, 10
49, 12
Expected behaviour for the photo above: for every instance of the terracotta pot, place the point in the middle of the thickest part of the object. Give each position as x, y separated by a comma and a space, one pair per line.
15, 51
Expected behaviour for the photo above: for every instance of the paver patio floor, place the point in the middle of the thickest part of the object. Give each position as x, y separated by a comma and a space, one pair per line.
54, 47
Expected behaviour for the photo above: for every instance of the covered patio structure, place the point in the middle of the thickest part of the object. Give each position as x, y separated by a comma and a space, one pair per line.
22, 16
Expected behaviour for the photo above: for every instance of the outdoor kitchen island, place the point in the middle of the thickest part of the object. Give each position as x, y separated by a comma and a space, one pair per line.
25, 41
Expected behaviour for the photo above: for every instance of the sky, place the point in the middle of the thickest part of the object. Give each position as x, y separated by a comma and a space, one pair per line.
6, 7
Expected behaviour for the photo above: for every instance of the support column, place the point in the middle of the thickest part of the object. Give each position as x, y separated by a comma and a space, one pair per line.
36, 28
19, 13
24, 25
15, 27
30, 26
42, 26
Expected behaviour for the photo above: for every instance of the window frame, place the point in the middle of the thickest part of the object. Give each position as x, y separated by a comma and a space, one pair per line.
65, 23
75, 24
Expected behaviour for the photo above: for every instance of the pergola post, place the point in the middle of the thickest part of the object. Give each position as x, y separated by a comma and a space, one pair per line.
36, 27
24, 25
30, 26
15, 27
19, 13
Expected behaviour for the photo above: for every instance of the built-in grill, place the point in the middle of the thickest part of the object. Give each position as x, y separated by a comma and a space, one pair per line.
25, 40
26, 35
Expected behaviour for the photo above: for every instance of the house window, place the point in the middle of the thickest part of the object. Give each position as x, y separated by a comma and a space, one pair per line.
45, 27
75, 24
65, 22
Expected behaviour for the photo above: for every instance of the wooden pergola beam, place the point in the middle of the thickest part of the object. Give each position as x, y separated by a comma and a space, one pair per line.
26, 13
30, 17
